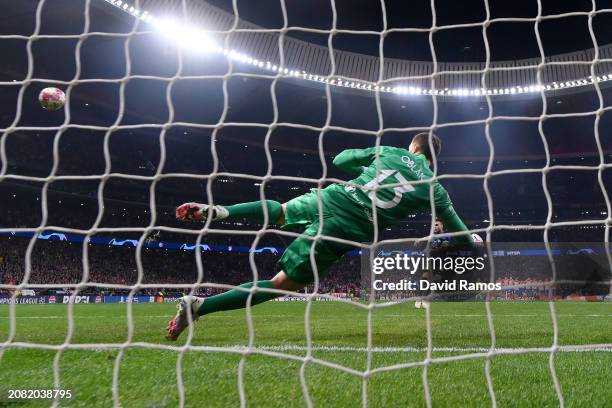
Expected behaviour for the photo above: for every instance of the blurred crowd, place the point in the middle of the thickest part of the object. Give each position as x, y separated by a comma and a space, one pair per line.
60, 263
57, 263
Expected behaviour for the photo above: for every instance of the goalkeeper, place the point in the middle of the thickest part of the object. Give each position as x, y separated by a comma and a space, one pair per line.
347, 213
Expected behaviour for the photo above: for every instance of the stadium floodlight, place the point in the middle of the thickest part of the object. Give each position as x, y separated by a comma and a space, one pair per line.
185, 36
195, 39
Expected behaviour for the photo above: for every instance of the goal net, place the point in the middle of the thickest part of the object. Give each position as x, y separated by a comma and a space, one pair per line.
170, 101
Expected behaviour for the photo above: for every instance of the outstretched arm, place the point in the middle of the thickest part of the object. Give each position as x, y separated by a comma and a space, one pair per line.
453, 223
446, 212
354, 160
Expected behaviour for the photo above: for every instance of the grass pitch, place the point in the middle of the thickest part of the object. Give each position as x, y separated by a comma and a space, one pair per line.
147, 377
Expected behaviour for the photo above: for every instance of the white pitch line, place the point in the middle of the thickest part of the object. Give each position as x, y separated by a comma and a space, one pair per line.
340, 349
417, 315
87, 317
290, 347
546, 314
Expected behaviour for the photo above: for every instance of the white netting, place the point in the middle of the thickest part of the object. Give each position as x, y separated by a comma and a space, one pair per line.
282, 353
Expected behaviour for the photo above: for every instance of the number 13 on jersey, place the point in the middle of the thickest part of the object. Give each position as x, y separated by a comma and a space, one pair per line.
373, 186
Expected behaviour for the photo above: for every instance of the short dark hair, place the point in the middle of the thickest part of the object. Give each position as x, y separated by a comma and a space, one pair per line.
422, 140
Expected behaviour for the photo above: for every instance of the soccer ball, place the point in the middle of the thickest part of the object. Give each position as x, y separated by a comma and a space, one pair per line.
52, 98
422, 304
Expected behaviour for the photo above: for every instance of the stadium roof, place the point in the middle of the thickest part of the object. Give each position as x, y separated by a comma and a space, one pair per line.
249, 43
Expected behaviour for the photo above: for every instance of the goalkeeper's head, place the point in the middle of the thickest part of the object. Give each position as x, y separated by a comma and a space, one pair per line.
421, 144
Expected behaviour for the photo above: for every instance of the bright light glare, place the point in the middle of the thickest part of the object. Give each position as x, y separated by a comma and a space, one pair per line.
186, 37
197, 40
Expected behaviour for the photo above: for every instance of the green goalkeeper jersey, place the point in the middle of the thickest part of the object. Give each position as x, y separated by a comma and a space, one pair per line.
400, 169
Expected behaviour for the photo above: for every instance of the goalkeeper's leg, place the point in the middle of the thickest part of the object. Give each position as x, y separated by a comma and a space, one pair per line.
297, 263
232, 299
296, 266
254, 210
300, 211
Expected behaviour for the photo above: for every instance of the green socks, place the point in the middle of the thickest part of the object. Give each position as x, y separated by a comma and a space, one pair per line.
237, 299
255, 211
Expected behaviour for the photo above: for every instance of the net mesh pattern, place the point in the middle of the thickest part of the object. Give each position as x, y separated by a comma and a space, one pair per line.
308, 358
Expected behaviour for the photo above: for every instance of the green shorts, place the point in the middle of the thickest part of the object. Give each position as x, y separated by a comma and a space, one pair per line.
303, 212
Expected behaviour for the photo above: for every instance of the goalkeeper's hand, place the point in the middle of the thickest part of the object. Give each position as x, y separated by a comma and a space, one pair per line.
190, 212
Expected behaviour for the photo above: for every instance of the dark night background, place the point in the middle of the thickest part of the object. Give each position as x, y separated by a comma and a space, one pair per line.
517, 198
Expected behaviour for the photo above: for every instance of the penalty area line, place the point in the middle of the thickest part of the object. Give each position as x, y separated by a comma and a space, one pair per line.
289, 347
286, 348
416, 315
